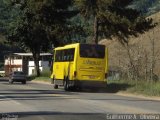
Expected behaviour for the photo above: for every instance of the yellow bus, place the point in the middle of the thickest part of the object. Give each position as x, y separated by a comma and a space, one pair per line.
80, 65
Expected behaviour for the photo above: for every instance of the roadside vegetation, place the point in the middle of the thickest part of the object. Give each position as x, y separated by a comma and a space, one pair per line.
135, 87
1, 65
141, 87
35, 26
124, 86
44, 77
137, 63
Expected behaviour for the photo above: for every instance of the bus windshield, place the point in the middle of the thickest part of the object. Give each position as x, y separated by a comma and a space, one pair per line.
92, 51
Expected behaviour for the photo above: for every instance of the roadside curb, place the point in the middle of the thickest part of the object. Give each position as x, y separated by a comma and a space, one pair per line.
138, 96
41, 82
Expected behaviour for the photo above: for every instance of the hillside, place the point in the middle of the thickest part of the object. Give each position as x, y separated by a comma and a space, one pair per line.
147, 7
140, 49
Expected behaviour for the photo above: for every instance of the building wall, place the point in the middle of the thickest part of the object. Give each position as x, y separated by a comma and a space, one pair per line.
13, 62
43, 65
12, 65
24, 63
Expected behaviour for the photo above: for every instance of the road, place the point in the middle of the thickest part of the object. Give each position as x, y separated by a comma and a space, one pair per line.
35, 101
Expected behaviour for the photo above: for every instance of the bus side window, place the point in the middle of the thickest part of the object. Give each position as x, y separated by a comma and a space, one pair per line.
65, 55
62, 56
71, 51
58, 55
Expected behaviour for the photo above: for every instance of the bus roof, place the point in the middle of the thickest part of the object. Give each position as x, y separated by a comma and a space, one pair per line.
67, 46
71, 46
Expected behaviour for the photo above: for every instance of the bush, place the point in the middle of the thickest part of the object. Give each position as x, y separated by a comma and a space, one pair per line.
150, 88
45, 73
30, 78
1, 66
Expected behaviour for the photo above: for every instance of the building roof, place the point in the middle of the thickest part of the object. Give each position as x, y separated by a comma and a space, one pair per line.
30, 54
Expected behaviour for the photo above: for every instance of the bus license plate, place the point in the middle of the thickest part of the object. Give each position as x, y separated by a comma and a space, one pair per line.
92, 77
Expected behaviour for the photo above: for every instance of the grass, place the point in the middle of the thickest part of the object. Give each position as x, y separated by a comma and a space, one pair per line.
44, 77
139, 87
41, 79
114, 86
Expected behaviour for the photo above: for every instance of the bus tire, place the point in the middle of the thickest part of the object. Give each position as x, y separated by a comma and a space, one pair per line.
55, 86
66, 84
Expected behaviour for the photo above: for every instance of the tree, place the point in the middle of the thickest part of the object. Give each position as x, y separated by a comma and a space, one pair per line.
40, 24
78, 30
113, 18
91, 8
4, 16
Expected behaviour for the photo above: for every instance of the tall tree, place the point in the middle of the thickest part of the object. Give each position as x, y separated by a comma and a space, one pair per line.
113, 18
92, 8
4, 16
40, 24
77, 30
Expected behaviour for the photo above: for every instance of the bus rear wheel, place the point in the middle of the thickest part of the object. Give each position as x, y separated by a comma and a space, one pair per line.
55, 86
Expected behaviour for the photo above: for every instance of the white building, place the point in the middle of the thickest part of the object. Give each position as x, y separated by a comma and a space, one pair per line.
24, 62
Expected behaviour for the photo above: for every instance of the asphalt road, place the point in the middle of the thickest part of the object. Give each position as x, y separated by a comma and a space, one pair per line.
35, 101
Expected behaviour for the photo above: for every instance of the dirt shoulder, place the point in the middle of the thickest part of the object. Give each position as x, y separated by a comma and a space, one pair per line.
41, 82
126, 94
138, 96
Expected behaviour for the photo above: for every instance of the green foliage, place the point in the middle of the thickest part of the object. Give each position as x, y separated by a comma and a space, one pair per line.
34, 25
113, 18
3, 16
43, 22
6, 14
92, 7
46, 73
39, 24
31, 77
43, 79
78, 30
1, 65
139, 87
50, 19
39, 79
